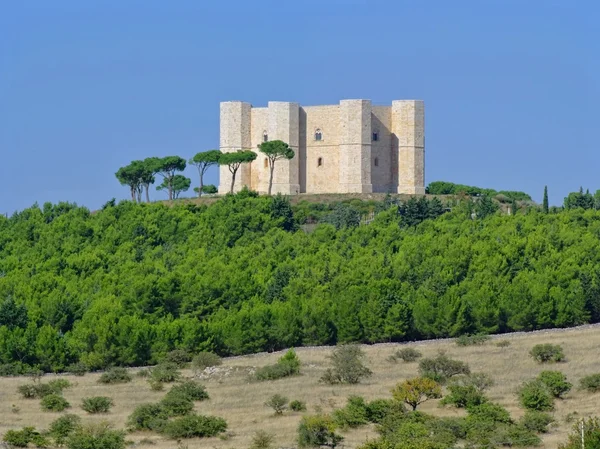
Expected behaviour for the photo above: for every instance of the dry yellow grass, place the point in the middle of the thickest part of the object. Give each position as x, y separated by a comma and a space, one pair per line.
241, 402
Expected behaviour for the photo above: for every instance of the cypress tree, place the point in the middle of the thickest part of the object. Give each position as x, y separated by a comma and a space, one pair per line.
545, 204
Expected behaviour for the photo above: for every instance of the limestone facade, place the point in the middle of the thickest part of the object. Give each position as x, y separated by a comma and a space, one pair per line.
350, 147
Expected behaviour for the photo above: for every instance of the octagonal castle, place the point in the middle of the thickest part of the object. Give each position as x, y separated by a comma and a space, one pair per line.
353, 147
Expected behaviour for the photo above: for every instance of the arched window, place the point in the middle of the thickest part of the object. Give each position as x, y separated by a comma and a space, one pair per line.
318, 134
319, 162
266, 162
375, 136
376, 162
265, 136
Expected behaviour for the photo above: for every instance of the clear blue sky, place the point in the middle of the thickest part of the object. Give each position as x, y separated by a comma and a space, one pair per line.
511, 87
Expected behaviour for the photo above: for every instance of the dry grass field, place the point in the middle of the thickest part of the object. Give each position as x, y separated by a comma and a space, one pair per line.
241, 402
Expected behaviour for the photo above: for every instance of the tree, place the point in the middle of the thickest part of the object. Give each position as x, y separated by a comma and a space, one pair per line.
151, 168
203, 161
167, 167
275, 150
416, 391
545, 202
179, 184
348, 366
234, 161
131, 175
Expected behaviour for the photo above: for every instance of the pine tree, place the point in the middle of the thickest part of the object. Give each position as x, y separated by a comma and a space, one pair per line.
545, 204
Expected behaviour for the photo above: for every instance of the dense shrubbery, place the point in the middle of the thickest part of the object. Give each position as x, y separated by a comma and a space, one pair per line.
115, 376
38, 390
544, 353
61, 428
132, 282
472, 340
407, 355
22, 438
441, 368
97, 404
348, 366
204, 360
192, 426
287, 365
54, 403
96, 437
449, 188
590, 383
534, 395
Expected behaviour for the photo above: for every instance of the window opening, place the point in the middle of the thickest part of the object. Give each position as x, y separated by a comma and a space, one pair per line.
318, 135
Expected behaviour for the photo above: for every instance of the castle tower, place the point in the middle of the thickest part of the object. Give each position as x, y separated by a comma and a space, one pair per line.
355, 146
408, 128
284, 125
234, 136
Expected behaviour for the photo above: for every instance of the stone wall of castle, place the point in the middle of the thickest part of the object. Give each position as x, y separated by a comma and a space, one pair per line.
350, 147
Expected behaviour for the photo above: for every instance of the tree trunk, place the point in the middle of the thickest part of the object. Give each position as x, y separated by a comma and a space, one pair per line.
147, 186
132, 188
170, 189
271, 167
232, 180
201, 184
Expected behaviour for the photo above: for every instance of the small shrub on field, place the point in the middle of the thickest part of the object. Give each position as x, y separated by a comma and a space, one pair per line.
99, 436
38, 390
179, 357
441, 368
262, 440
165, 372
148, 417
378, 409
62, 427
155, 385
278, 403
143, 373
534, 395
407, 355
354, 414
556, 382
54, 403
22, 438
78, 369
513, 436
115, 376
318, 430
536, 421
415, 391
590, 383
97, 404
298, 406
348, 366
462, 396
488, 412
177, 404
287, 365
204, 360
545, 353
192, 426
472, 340
191, 389
503, 343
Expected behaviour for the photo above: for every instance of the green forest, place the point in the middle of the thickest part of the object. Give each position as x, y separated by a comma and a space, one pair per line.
128, 283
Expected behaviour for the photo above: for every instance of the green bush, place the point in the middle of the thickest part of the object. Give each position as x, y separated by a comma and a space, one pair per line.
62, 427
38, 390
287, 365
534, 395
22, 438
179, 357
99, 436
192, 426
177, 404
590, 383
544, 353
262, 440
472, 340
78, 369
462, 396
556, 382
54, 403
97, 404
354, 414
378, 409
298, 406
115, 376
204, 360
191, 389
317, 430
591, 435
148, 417
278, 403
442, 368
165, 372
407, 355
488, 412
348, 366
536, 421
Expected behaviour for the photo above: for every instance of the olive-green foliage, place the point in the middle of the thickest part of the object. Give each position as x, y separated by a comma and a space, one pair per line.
148, 417
278, 403
262, 440
590, 383
353, 414
378, 409
535, 395
97, 404
77, 368
318, 430
165, 372
205, 359
38, 390
192, 426
287, 365
536, 421
449, 188
97, 436
462, 396
556, 382
488, 412
234, 277
191, 389
546, 352
54, 403
472, 340
407, 355
441, 368
591, 435
115, 376
347, 366
62, 427
22, 438
179, 357
177, 403
297, 406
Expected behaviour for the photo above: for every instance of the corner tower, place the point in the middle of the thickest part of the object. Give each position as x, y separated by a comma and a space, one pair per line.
355, 147
408, 129
234, 136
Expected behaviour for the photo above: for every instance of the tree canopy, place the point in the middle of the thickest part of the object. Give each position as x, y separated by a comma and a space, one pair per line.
275, 150
203, 161
234, 161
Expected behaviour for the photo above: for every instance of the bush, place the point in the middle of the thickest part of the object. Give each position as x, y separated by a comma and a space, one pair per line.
38, 390
278, 403
298, 406
489, 412
407, 355
317, 430
115, 376
99, 436
78, 369
503, 343
354, 414
536, 421
192, 426
54, 403
97, 404
179, 357
590, 383
348, 366
62, 427
191, 389
547, 352
556, 382
287, 365
534, 395
22, 438
177, 404
205, 360
442, 368
262, 440
378, 409
472, 340
417, 390
165, 372
591, 435
462, 396
148, 417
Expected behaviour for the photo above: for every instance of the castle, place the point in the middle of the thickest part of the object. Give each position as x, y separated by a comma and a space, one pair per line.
351, 147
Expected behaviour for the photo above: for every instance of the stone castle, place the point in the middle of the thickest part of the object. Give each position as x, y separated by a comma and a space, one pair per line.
353, 147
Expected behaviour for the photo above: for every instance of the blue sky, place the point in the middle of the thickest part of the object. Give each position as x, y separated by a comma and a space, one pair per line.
511, 87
